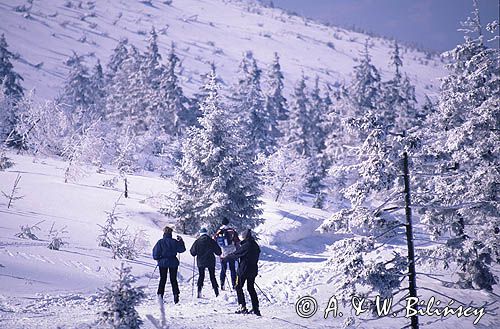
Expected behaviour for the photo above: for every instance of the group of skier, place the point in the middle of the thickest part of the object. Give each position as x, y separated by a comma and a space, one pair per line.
231, 250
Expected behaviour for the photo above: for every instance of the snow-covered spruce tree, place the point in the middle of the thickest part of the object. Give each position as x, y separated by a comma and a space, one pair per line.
274, 101
463, 155
119, 301
373, 178
119, 55
398, 102
216, 176
77, 94
127, 96
365, 87
248, 105
11, 92
200, 96
171, 108
297, 134
317, 161
10, 80
369, 163
98, 87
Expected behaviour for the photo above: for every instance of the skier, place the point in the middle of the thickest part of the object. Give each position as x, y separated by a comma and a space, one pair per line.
165, 252
228, 240
248, 255
204, 248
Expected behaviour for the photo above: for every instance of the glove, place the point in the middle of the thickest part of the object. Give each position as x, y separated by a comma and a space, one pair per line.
179, 238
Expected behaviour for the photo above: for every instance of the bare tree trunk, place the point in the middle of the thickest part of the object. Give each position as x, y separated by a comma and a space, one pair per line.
126, 186
412, 277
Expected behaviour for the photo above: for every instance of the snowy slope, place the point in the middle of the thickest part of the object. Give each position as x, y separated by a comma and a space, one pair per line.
42, 288
203, 31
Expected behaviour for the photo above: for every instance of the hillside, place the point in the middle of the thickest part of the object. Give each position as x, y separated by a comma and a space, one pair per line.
46, 33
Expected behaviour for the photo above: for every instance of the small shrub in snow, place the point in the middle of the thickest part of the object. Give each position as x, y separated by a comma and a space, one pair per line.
120, 300
57, 238
13, 195
5, 161
27, 232
108, 228
126, 245
110, 182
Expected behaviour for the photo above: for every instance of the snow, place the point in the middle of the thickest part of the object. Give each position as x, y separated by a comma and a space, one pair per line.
203, 31
44, 288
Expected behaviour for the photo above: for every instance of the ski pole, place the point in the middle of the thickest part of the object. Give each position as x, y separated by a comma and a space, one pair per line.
262, 292
152, 275
227, 281
192, 286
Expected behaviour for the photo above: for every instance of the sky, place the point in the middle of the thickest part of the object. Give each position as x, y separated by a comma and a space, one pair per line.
431, 24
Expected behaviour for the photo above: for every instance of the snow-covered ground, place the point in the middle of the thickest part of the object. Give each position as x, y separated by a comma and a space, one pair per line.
43, 288
204, 31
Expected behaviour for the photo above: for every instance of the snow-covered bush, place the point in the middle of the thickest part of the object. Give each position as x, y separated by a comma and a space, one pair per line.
27, 232
40, 127
362, 273
5, 161
284, 173
120, 300
120, 241
82, 148
124, 244
57, 238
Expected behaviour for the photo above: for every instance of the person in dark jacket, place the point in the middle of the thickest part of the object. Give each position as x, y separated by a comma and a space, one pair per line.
204, 249
165, 252
248, 255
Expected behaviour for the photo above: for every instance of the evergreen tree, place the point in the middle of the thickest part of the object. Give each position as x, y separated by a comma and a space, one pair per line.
398, 103
172, 111
120, 300
275, 102
98, 87
365, 87
127, 98
298, 133
10, 80
119, 55
78, 95
215, 177
11, 92
249, 103
463, 147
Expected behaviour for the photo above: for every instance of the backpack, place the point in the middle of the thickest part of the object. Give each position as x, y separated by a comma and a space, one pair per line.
225, 237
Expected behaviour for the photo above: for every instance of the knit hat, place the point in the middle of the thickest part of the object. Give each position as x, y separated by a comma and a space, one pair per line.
203, 230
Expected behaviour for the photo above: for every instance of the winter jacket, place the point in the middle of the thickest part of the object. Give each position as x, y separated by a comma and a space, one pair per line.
205, 248
166, 249
248, 254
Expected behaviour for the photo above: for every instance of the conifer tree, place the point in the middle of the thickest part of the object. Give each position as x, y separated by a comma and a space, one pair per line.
249, 104
120, 300
215, 177
9, 79
119, 55
463, 152
275, 102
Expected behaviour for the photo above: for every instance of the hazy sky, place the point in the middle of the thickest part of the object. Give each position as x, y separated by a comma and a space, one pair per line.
430, 23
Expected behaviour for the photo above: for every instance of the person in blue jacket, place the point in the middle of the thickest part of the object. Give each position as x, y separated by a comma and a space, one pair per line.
165, 252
